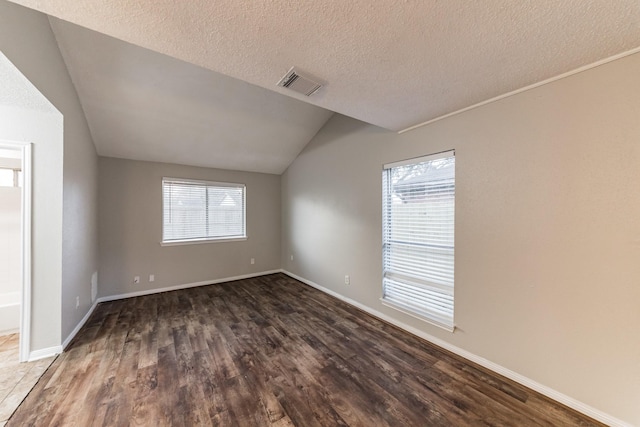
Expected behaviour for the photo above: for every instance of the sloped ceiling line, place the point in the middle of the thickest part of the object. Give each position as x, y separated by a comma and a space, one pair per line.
392, 63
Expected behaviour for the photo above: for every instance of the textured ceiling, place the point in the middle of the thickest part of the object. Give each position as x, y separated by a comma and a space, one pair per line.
16, 90
393, 63
143, 105
194, 82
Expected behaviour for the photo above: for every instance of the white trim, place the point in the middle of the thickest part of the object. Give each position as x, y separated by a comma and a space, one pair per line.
222, 239
25, 232
202, 241
82, 322
44, 352
408, 312
25, 307
184, 286
202, 182
521, 379
421, 159
79, 326
532, 86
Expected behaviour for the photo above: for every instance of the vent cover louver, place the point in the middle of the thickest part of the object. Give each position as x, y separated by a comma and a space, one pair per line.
295, 81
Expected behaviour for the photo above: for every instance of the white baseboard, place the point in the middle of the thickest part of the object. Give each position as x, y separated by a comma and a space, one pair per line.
44, 352
521, 379
184, 286
79, 326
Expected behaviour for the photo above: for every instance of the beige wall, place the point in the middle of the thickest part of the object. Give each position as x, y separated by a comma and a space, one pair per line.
79, 214
547, 228
64, 164
130, 202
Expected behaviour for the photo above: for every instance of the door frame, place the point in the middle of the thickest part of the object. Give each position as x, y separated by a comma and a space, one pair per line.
25, 149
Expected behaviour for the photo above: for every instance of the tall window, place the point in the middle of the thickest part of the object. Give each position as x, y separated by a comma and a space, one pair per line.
202, 210
418, 237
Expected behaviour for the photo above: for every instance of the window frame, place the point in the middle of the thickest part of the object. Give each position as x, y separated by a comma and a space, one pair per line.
424, 313
203, 240
16, 177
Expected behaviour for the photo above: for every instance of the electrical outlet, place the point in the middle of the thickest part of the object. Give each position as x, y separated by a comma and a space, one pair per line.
136, 279
347, 280
253, 261
291, 257
77, 302
152, 277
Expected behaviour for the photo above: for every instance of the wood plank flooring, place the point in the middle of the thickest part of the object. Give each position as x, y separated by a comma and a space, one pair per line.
16, 379
268, 351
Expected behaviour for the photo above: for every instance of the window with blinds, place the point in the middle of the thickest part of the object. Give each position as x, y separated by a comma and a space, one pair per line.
418, 237
201, 210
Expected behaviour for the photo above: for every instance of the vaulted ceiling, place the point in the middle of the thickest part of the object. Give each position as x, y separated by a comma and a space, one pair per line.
200, 76
143, 105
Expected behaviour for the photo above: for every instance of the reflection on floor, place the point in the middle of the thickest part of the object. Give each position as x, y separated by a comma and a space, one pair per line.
16, 379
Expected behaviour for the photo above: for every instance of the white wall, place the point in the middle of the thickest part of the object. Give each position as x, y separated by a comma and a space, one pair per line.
130, 201
547, 228
64, 163
10, 241
17, 124
10, 254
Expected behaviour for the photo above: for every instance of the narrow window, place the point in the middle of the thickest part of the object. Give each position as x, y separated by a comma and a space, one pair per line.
200, 210
418, 237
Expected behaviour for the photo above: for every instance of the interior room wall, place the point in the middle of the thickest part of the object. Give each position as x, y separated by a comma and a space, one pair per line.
10, 253
130, 229
10, 242
547, 229
64, 167
46, 222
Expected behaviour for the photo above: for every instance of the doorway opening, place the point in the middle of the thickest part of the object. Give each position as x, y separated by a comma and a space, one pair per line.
15, 244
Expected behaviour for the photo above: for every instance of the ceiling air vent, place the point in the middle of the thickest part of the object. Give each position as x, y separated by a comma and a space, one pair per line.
297, 82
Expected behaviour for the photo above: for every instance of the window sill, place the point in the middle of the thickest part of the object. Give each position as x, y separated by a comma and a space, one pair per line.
418, 316
202, 241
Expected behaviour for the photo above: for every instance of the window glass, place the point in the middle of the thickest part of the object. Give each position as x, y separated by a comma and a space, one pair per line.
201, 210
418, 237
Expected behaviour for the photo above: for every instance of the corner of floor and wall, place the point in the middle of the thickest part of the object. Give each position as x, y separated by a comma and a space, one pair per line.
546, 234
546, 225
42, 108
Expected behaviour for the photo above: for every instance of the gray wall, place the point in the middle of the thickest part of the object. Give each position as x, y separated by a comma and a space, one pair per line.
36, 56
130, 228
547, 228
79, 215
65, 171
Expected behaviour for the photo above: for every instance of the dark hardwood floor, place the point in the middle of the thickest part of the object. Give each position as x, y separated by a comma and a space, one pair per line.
268, 351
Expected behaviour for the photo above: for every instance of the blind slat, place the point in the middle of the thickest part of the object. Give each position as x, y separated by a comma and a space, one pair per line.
418, 237
201, 210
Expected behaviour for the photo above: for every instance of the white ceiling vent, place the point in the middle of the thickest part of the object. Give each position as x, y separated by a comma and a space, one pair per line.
295, 81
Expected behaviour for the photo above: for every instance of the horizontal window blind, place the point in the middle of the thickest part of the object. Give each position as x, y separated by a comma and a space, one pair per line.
418, 237
201, 210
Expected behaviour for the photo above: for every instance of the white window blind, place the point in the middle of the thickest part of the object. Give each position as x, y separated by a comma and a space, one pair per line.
418, 237
202, 210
